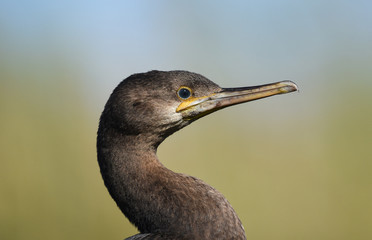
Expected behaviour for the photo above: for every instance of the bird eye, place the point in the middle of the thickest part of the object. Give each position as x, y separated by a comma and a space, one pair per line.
184, 92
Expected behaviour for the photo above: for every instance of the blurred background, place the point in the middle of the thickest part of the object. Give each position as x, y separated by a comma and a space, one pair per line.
296, 166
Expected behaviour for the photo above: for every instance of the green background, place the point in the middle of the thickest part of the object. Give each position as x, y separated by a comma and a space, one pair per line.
297, 166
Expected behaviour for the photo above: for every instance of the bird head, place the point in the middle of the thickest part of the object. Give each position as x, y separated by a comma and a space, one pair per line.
161, 103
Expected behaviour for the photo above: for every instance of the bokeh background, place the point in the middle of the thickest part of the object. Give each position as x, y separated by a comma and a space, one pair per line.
297, 166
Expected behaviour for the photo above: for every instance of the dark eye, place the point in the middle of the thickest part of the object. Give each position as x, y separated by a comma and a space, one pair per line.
184, 92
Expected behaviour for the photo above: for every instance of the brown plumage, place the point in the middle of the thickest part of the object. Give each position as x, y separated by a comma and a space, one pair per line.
141, 112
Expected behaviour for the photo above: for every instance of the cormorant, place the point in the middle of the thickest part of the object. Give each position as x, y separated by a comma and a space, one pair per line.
141, 112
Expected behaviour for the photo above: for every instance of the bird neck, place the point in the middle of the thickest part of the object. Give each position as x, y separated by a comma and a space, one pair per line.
158, 200
130, 169
126, 158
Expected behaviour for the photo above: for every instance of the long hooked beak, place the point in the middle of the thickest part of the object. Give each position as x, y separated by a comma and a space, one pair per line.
201, 106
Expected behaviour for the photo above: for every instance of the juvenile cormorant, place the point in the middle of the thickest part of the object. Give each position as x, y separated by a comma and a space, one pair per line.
141, 112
